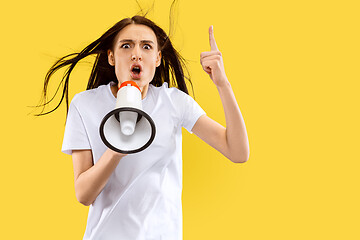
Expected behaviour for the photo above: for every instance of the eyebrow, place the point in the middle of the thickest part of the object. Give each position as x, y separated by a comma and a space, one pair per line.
132, 41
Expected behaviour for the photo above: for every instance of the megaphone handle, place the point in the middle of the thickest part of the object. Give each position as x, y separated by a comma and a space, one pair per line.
118, 118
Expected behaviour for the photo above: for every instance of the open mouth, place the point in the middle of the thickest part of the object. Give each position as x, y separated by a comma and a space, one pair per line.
136, 71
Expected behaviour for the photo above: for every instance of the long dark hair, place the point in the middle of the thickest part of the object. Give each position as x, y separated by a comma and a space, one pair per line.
171, 69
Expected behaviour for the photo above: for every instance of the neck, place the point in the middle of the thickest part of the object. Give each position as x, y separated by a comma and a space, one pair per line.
144, 91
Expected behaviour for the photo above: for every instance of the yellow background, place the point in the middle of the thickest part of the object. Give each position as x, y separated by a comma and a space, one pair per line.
294, 68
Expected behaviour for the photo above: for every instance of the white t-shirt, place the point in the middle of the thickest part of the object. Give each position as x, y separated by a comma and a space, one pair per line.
142, 198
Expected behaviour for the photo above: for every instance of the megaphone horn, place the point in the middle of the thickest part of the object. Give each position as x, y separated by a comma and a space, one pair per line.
127, 129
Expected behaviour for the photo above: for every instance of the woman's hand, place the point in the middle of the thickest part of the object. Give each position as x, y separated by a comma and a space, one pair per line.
116, 154
90, 179
231, 141
212, 62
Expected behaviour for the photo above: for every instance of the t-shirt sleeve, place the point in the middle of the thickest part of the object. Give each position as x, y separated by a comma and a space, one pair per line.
75, 136
190, 110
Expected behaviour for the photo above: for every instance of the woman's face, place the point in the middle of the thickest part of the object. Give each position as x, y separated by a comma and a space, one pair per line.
135, 55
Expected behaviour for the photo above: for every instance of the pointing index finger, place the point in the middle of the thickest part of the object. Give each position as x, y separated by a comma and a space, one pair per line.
212, 41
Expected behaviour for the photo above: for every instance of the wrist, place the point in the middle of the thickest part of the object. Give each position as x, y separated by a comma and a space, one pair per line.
224, 84
115, 155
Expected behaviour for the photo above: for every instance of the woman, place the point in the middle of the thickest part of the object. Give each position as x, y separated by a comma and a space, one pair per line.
138, 196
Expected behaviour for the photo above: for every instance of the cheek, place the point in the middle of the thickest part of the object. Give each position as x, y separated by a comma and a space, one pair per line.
152, 68
120, 65
119, 71
152, 64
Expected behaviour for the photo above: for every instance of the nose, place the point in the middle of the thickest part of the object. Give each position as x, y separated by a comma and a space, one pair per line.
136, 55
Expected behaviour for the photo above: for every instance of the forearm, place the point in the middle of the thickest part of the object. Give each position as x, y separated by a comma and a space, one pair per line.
237, 143
91, 182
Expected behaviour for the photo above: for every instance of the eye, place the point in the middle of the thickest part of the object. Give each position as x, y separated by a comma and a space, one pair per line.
147, 47
125, 45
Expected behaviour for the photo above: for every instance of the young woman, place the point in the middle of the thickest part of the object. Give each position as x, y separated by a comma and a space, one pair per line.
138, 196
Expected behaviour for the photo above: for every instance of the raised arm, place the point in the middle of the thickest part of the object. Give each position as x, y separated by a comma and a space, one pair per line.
91, 179
231, 141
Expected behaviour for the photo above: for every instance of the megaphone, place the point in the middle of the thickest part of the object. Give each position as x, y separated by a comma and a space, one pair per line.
127, 129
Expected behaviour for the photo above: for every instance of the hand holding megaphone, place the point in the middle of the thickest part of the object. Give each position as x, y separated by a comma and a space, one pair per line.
127, 128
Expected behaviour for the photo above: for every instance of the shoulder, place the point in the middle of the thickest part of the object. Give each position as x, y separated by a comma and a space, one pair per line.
89, 96
93, 101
